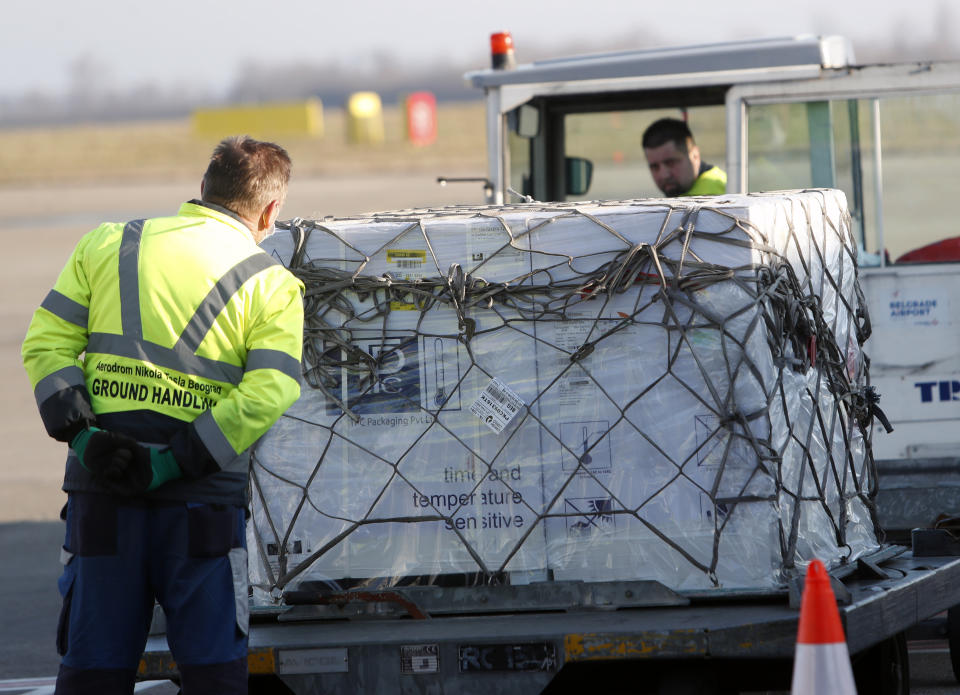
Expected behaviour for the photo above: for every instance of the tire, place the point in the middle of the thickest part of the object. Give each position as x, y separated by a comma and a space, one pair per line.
690, 679
884, 669
267, 685
953, 637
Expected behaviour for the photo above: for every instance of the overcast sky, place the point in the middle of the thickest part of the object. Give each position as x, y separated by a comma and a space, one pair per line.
203, 44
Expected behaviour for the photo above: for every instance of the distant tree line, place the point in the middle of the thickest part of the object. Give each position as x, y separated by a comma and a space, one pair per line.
90, 97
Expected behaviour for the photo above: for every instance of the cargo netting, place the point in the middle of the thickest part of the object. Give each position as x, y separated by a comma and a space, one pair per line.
654, 389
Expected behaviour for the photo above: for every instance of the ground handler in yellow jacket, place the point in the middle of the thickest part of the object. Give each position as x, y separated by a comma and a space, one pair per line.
166, 348
675, 164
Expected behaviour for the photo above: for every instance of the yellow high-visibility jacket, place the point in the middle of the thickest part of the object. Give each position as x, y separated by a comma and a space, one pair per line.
177, 331
711, 181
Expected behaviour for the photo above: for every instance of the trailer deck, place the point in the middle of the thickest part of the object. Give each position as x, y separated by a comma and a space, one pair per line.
517, 638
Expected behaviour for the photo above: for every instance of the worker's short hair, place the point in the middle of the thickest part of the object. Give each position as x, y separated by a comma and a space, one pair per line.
244, 175
667, 130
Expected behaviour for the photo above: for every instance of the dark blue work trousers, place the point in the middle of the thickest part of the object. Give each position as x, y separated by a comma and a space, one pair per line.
122, 555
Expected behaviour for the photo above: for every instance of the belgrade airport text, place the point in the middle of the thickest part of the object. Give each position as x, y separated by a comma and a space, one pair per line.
162, 394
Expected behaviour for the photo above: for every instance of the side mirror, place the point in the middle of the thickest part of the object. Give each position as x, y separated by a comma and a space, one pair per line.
578, 173
525, 121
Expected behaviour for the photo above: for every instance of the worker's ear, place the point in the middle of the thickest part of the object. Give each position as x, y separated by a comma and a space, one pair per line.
269, 215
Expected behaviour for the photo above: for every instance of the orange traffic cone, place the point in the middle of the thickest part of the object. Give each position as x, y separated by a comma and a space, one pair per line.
822, 662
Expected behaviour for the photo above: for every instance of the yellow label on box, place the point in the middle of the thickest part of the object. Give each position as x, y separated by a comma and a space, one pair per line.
410, 264
407, 258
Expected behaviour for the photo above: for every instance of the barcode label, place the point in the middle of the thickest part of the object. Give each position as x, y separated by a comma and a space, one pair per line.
498, 391
497, 405
408, 264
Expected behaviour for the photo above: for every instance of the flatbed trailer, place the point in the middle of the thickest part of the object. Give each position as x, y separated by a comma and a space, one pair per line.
564, 636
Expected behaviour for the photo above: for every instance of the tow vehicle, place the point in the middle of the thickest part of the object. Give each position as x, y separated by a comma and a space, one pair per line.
777, 114
784, 114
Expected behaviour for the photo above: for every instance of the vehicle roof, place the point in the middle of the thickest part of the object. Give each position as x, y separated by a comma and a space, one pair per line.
800, 56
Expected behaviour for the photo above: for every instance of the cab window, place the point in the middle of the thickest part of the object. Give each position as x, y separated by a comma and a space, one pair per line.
611, 140
893, 157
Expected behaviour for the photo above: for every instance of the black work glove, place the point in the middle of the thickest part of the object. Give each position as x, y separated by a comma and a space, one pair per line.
121, 464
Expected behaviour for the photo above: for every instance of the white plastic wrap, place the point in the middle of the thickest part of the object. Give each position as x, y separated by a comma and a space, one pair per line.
668, 424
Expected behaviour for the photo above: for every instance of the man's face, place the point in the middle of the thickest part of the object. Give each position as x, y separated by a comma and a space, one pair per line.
673, 170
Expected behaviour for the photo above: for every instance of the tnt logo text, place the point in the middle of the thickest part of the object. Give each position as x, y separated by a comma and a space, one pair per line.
938, 390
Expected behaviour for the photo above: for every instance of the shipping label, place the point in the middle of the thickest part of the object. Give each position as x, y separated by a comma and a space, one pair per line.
496, 405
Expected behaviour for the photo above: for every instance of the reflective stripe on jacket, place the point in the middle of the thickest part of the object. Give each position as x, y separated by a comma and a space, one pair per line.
711, 181
190, 335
